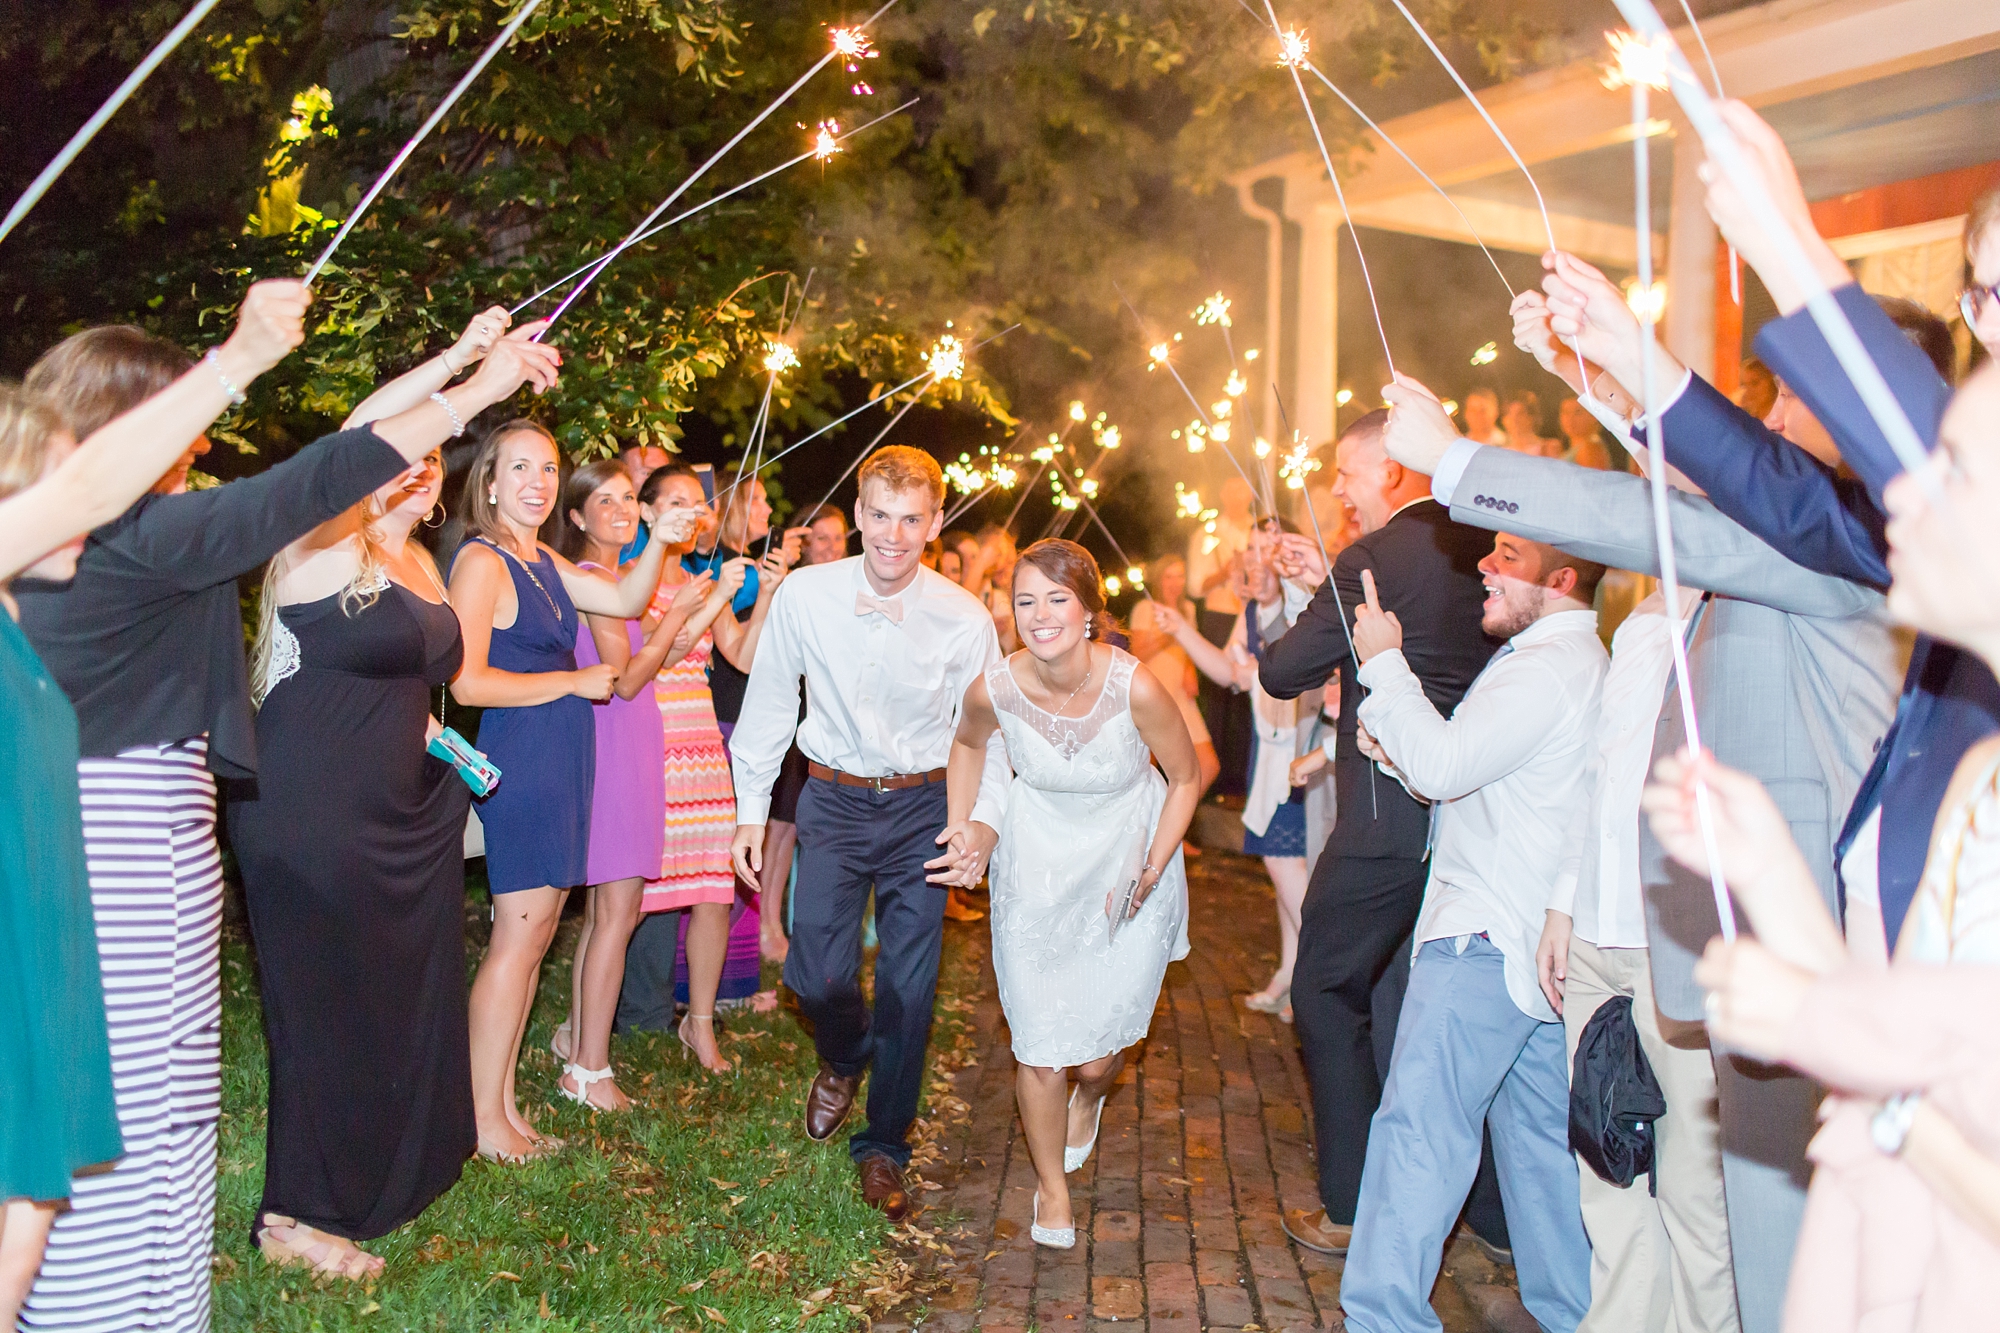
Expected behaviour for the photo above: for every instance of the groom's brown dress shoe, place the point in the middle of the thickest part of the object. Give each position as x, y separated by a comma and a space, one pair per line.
1315, 1232
828, 1102
882, 1186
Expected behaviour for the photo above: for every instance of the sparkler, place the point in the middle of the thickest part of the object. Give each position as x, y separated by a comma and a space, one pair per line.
779, 357
1215, 310
853, 47
826, 140
758, 179
1642, 66
1293, 47
946, 359
99, 118
403, 155
632, 237
1338, 193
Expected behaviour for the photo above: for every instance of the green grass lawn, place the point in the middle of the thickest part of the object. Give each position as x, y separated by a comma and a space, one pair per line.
706, 1208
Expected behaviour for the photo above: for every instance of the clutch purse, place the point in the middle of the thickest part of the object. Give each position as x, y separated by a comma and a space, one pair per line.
1122, 908
479, 772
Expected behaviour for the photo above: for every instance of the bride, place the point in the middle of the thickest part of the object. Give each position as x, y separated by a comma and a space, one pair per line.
1087, 817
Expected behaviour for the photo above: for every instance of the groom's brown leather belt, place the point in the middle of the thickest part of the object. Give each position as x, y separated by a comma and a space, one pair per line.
893, 782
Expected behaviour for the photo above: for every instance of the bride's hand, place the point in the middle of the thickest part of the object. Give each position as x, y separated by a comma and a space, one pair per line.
968, 846
1148, 877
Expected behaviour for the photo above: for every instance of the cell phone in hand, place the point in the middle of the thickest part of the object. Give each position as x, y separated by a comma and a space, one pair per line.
705, 474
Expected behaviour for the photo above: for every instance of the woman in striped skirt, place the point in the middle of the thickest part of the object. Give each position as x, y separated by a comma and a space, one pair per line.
147, 642
59, 1115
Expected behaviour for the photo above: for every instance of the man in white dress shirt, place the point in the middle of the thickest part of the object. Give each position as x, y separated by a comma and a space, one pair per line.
1477, 1044
887, 649
1659, 1259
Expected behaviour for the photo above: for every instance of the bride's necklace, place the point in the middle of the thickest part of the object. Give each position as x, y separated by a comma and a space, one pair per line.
1088, 672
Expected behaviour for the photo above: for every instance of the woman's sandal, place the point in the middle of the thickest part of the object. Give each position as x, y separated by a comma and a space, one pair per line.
308, 1247
584, 1078
1268, 1002
560, 1038
688, 1046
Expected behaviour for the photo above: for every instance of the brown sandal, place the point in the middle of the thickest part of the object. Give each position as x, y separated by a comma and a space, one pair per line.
326, 1255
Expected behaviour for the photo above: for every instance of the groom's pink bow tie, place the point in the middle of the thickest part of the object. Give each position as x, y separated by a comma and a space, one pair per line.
891, 607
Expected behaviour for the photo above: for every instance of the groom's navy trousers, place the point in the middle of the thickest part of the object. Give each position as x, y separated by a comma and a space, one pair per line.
849, 839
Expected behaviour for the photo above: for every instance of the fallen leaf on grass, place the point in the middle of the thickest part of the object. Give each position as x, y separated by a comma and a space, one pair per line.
824, 1292
545, 1311
694, 1286
504, 1276
373, 1306
724, 1184
710, 1312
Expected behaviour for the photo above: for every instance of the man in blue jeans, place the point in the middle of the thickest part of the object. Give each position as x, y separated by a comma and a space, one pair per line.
1477, 1045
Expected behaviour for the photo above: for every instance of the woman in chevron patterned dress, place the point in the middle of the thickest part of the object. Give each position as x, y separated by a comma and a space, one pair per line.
700, 814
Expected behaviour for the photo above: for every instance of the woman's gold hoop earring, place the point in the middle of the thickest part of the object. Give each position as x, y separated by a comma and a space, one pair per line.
438, 510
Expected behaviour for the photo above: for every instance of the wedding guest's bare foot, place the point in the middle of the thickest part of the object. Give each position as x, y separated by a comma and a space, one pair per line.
697, 1034
288, 1243
771, 943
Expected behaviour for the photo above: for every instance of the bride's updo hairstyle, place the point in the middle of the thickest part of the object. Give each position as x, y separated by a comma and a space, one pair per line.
1070, 566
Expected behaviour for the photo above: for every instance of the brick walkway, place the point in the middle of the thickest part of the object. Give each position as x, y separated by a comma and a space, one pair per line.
1204, 1142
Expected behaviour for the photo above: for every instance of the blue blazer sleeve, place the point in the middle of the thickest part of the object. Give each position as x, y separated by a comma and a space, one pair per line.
1777, 490
1796, 350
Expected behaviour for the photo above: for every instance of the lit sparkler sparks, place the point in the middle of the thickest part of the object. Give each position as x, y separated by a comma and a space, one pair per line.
1109, 438
1236, 386
1262, 447
1487, 354
1646, 303
1076, 410
1197, 437
1298, 465
1637, 64
1293, 48
1219, 432
1215, 310
779, 357
826, 140
1112, 585
853, 47
1136, 576
1158, 354
946, 360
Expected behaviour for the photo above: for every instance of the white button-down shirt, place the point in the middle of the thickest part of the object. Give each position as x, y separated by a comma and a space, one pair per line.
1506, 771
1598, 885
881, 698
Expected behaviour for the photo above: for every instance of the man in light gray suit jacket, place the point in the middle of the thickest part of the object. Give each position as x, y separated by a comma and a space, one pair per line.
1793, 675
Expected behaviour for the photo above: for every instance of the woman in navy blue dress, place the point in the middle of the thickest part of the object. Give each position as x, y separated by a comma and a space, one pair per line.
517, 604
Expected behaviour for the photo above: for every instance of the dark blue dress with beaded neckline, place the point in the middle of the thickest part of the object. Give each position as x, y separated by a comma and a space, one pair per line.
537, 821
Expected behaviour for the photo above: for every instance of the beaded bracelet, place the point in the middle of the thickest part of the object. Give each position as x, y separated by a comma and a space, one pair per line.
214, 361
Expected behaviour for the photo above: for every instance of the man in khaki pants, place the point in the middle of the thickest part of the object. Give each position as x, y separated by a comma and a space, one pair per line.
1656, 1262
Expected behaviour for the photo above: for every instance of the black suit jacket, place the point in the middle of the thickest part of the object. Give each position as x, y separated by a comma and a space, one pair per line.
1426, 570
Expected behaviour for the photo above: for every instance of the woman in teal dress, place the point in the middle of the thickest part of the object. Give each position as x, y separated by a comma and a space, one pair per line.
57, 1115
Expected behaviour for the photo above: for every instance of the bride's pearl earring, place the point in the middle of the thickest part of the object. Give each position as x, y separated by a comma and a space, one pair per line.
1086, 626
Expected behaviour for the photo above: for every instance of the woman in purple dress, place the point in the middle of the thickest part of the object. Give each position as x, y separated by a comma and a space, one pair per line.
600, 516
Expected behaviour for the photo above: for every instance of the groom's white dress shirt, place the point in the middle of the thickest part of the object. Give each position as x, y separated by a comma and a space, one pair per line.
883, 695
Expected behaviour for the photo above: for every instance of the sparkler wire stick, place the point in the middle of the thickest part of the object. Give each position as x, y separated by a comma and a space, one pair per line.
1341, 195
957, 511
1670, 583
1727, 154
1374, 806
437, 114
1694, 25
1645, 233
78, 141
632, 238
1025, 492
758, 179
869, 448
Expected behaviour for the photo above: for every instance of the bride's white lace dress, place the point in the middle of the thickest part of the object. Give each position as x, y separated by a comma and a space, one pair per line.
1080, 817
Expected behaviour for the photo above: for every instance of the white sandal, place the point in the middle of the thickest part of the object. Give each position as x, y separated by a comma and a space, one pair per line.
584, 1078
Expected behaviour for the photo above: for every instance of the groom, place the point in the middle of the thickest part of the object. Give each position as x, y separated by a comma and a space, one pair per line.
887, 649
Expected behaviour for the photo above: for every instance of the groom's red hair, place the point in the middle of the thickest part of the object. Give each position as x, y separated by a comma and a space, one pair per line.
903, 469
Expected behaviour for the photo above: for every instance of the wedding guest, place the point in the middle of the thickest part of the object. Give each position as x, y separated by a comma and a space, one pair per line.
60, 1116
1756, 388
967, 546
1087, 818
1212, 560
1521, 423
147, 641
997, 554
517, 603
875, 811
694, 880
1902, 1225
350, 842
826, 536
628, 790
1980, 302
951, 564
1156, 647
1583, 438
1482, 418
640, 460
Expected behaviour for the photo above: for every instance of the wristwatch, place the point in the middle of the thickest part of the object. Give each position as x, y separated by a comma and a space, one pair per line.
1890, 1126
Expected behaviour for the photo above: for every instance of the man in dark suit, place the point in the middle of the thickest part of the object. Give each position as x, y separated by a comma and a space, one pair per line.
1368, 885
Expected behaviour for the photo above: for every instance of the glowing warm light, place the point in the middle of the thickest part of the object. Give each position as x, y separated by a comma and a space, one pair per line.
1136, 577
1219, 432
852, 44
1004, 477
1343, 398
1215, 310
1076, 412
1298, 465
1220, 410
1236, 386
1197, 437
826, 140
1262, 448
1487, 354
1647, 303
1159, 353
946, 360
1042, 455
1066, 501
1450, 406
965, 480
1109, 437
1088, 486
779, 357
1638, 64
1250, 355
1292, 48
1112, 585
1187, 503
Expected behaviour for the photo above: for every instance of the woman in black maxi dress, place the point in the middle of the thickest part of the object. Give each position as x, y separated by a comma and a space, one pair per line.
352, 859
